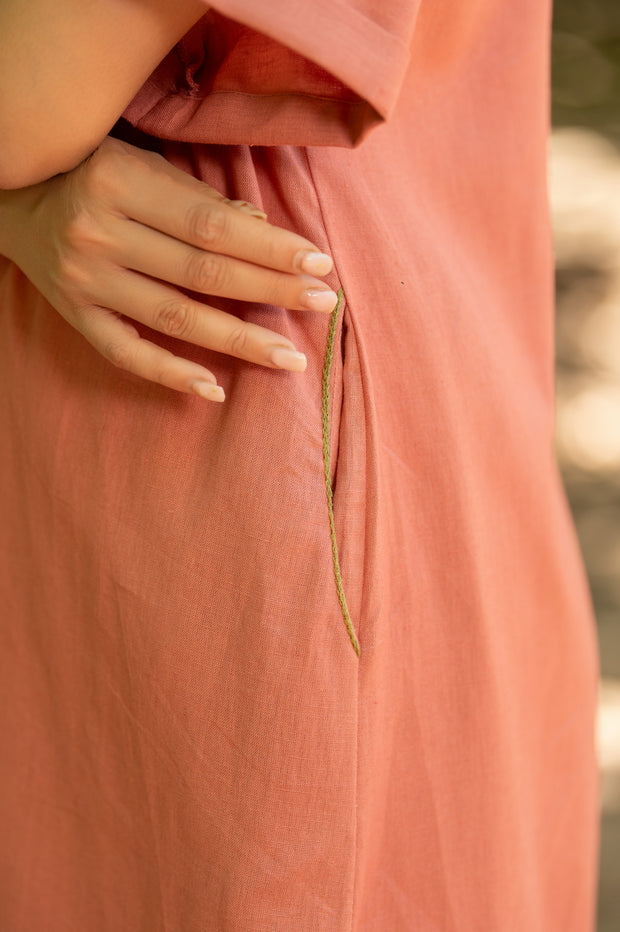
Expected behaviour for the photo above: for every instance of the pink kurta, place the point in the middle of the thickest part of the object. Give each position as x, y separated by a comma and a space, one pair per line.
190, 740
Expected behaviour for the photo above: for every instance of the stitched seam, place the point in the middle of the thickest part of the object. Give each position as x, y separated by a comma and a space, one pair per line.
354, 882
168, 94
329, 352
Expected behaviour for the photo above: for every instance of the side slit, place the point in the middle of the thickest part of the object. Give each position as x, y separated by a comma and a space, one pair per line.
329, 352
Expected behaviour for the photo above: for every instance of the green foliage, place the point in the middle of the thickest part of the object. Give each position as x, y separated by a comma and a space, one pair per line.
586, 65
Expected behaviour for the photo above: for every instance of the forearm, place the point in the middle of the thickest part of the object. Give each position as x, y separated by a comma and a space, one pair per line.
68, 69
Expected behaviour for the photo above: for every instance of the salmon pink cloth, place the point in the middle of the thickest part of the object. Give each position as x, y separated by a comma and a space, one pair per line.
220, 712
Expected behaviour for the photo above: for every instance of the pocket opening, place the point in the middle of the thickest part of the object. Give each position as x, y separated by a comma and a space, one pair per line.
329, 352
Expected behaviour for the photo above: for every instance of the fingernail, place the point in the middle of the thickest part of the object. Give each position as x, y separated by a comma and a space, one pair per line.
319, 299
251, 209
285, 358
314, 263
208, 390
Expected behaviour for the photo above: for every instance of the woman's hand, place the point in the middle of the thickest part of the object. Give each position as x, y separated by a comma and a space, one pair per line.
116, 235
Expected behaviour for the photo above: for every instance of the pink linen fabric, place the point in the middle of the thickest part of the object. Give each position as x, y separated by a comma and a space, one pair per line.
190, 741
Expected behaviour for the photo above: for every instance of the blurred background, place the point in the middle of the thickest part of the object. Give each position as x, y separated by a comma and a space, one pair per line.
585, 196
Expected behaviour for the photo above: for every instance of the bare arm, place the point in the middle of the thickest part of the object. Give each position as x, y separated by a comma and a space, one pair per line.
68, 69
109, 233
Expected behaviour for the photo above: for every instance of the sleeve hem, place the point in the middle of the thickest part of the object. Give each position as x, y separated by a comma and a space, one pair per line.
237, 118
331, 33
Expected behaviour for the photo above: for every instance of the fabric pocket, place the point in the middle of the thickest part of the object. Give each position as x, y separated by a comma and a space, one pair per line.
331, 411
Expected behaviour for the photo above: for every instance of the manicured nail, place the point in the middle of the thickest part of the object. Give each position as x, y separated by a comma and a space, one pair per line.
285, 358
319, 299
208, 390
251, 209
314, 263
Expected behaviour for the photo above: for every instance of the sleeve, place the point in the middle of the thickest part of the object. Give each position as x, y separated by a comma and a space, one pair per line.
281, 72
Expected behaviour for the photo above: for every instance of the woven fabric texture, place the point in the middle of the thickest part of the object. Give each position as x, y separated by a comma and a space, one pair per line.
190, 743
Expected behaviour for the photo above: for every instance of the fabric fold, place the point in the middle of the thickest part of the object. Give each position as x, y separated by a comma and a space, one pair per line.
321, 73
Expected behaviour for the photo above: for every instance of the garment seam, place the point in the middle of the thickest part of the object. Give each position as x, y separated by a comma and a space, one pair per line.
172, 94
357, 715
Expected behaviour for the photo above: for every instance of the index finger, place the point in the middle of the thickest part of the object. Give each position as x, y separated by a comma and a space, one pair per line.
173, 202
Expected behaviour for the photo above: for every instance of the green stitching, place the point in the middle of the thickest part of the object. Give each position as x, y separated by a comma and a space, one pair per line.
329, 352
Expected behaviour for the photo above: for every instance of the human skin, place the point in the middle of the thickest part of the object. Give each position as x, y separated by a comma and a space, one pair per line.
68, 69
110, 233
